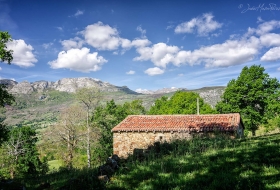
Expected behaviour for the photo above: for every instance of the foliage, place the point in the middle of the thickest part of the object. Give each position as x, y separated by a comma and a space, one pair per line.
5, 97
68, 134
90, 98
253, 94
3, 133
108, 116
3, 129
21, 156
134, 107
5, 55
180, 103
272, 124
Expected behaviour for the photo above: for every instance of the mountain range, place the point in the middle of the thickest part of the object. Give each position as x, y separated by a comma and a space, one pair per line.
39, 103
71, 85
62, 85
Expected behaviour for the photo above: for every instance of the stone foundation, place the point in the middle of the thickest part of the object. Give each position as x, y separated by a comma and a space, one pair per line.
125, 142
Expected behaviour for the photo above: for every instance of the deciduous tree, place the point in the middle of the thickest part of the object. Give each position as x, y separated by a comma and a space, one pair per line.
90, 98
22, 153
5, 54
108, 116
68, 133
5, 97
180, 103
254, 94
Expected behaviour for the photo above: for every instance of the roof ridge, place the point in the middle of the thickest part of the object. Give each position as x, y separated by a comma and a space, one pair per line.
179, 122
182, 115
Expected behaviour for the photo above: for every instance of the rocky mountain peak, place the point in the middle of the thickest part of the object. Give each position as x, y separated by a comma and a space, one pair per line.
23, 87
8, 82
65, 84
72, 84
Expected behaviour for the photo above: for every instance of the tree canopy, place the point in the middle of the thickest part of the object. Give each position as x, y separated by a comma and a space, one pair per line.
90, 98
23, 157
108, 116
5, 55
254, 95
180, 103
5, 97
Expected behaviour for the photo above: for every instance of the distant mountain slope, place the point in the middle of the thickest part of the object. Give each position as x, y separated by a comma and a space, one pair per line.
62, 85
211, 95
39, 103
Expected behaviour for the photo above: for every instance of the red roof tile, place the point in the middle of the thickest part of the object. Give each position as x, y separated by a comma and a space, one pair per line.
210, 122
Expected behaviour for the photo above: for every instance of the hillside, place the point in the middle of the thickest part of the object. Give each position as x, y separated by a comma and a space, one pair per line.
39, 103
205, 164
215, 163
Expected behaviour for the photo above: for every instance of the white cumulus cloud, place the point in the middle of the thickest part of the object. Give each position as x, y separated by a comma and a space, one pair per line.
201, 25
105, 37
102, 37
231, 52
160, 54
270, 39
130, 72
263, 28
267, 27
0, 68
72, 43
78, 60
22, 53
140, 42
154, 71
271, 55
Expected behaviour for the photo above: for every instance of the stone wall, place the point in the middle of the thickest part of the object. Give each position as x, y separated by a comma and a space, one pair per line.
125, 142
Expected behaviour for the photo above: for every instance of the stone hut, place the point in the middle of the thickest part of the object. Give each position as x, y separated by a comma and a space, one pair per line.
141, 131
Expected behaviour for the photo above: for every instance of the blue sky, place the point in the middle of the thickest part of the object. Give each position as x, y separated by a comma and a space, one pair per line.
141, 44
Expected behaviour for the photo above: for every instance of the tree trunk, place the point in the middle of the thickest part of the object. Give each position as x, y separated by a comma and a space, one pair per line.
12, 173
88, 142
69, 159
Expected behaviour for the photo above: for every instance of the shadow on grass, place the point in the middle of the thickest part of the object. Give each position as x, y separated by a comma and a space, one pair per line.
65, 179
209, 163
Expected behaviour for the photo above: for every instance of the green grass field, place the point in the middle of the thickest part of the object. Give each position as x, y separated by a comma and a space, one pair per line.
206, 164
209, 163
54, 164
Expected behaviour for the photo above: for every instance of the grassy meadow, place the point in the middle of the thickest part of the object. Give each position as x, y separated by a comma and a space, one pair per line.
208, 163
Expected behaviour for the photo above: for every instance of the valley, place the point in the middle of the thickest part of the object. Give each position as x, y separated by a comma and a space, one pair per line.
38, 104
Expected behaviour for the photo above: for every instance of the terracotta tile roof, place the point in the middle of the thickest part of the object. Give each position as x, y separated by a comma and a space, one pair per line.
211, 122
